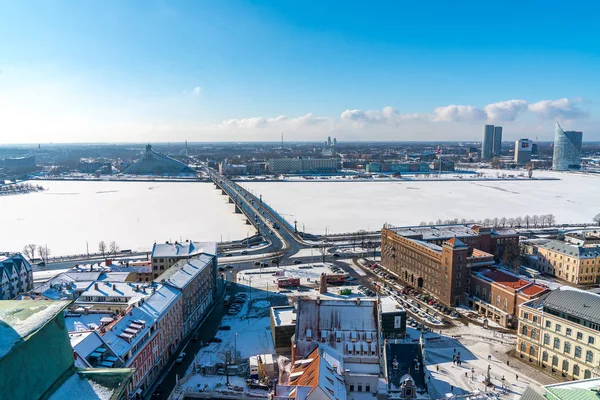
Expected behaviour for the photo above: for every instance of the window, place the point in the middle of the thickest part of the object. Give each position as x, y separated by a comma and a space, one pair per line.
532, 350
545, 356
556, 343
567, 347
524, 330
587, 374
352, 388
546, 339
557, 328
565, 366
548, 324
591, 340
535, 318
589, 356
457, 283
367, 388
523, 347
578, 351
555, 361
360, 388
579, 335
575, 370
569, 331
526, 315
533, 333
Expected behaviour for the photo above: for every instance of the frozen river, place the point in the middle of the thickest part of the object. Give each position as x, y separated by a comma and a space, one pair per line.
350, 206
133, 214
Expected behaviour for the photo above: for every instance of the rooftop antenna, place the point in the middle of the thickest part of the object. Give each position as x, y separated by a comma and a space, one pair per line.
281, 140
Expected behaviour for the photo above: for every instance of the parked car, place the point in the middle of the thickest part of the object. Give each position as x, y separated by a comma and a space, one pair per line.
214, 340
244, 252
224, 328
256, 262
229, 266
336, 255
180, 358
297, 261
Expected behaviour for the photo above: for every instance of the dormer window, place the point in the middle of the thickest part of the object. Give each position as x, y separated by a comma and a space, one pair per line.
308, 334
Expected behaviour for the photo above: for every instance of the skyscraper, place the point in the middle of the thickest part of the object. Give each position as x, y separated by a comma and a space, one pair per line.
497, 142
567, 149
488, 142
329, 141
523, 149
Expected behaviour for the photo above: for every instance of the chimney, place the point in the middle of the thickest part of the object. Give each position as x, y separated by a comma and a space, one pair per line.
358, 301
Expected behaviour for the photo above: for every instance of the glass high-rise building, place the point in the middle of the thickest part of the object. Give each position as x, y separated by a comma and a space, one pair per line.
497, 143
567, 149
487, 144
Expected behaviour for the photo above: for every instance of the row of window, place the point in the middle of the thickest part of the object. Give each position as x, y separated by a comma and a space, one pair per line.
565, 364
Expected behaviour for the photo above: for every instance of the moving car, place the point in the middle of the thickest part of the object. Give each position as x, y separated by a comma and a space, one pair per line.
297, 261
180, 358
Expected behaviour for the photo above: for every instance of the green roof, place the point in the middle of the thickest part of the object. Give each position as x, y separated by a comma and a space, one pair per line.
92, 384
571, 394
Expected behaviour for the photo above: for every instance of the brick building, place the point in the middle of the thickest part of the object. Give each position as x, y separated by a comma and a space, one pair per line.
497, 294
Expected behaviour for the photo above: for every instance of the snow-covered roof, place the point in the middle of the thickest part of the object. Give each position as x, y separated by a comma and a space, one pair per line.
93, 384
161, 300
572, 250
79, 322
284, 315
184, 271
21, 318
389, 304
12, 263
444, 232
85, 343
128, 331
98, 291
183, 250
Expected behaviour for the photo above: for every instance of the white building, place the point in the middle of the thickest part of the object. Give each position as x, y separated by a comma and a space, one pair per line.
16, 275
523, 151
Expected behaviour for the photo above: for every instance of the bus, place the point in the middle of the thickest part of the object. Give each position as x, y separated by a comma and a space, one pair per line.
227, 301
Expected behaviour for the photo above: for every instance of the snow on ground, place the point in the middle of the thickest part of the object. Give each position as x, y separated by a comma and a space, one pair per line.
348, 207
262, 277
475, 344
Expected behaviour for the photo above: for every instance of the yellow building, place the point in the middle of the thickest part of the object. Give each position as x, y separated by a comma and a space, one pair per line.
560, 331
577, 264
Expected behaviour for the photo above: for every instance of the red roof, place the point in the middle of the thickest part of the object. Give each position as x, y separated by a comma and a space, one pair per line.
504, 279
534, 289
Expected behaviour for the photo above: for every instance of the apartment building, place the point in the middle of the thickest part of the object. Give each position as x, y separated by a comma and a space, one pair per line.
576, 263
16, 275
497, 294
561, 331
164, 255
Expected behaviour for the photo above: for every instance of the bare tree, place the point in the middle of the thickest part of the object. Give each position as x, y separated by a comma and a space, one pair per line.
495, 222
535, 220
487, 222
551, 219
511, 222
44, 253
518, 221
596, 219
322, 249
29, 251
114, 248
503, 221
527, 220
362, 236
102, 248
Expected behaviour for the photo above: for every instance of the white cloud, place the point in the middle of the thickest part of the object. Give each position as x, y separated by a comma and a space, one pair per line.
196, 91
505, 110
561, 108
457, 113
387, 116
281, 121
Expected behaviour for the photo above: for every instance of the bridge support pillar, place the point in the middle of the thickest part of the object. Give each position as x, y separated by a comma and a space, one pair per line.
248, 222
231, 200
237, 209
223, 192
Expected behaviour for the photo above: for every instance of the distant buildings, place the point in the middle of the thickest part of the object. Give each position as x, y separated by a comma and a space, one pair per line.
523, 148
16, 275
561, 332
303, 165
567, 149
19, 163
408, 167
153, 163
491, 145
95, 167
438, 259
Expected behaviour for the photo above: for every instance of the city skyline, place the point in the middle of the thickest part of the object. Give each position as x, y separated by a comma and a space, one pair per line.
212, 71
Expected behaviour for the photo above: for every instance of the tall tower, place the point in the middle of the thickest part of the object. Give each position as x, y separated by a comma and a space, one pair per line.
497, 142
487, 142
567, 149
329, 141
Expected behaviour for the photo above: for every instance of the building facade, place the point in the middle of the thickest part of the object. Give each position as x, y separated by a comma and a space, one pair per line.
561, 332
16, 275
523, 151
567, 149
497, 142
497, 294
578, 264
439, 259
303, 165
153, 163
487, 143
165, 255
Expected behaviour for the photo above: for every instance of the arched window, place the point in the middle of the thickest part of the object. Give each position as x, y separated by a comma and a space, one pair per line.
587, 374
589, 356
555, 361
575, 370
532, 350
533, 333
523, 347
505, 304
545, 356
565, 365
524, 329
498, 300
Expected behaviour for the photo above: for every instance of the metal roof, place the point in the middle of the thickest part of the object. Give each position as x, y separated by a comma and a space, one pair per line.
572, 250
579, 303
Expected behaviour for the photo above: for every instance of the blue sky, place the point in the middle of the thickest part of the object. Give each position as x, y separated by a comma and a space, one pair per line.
73, 71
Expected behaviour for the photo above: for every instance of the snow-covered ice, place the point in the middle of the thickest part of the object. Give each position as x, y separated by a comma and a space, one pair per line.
134, 214
350, 206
